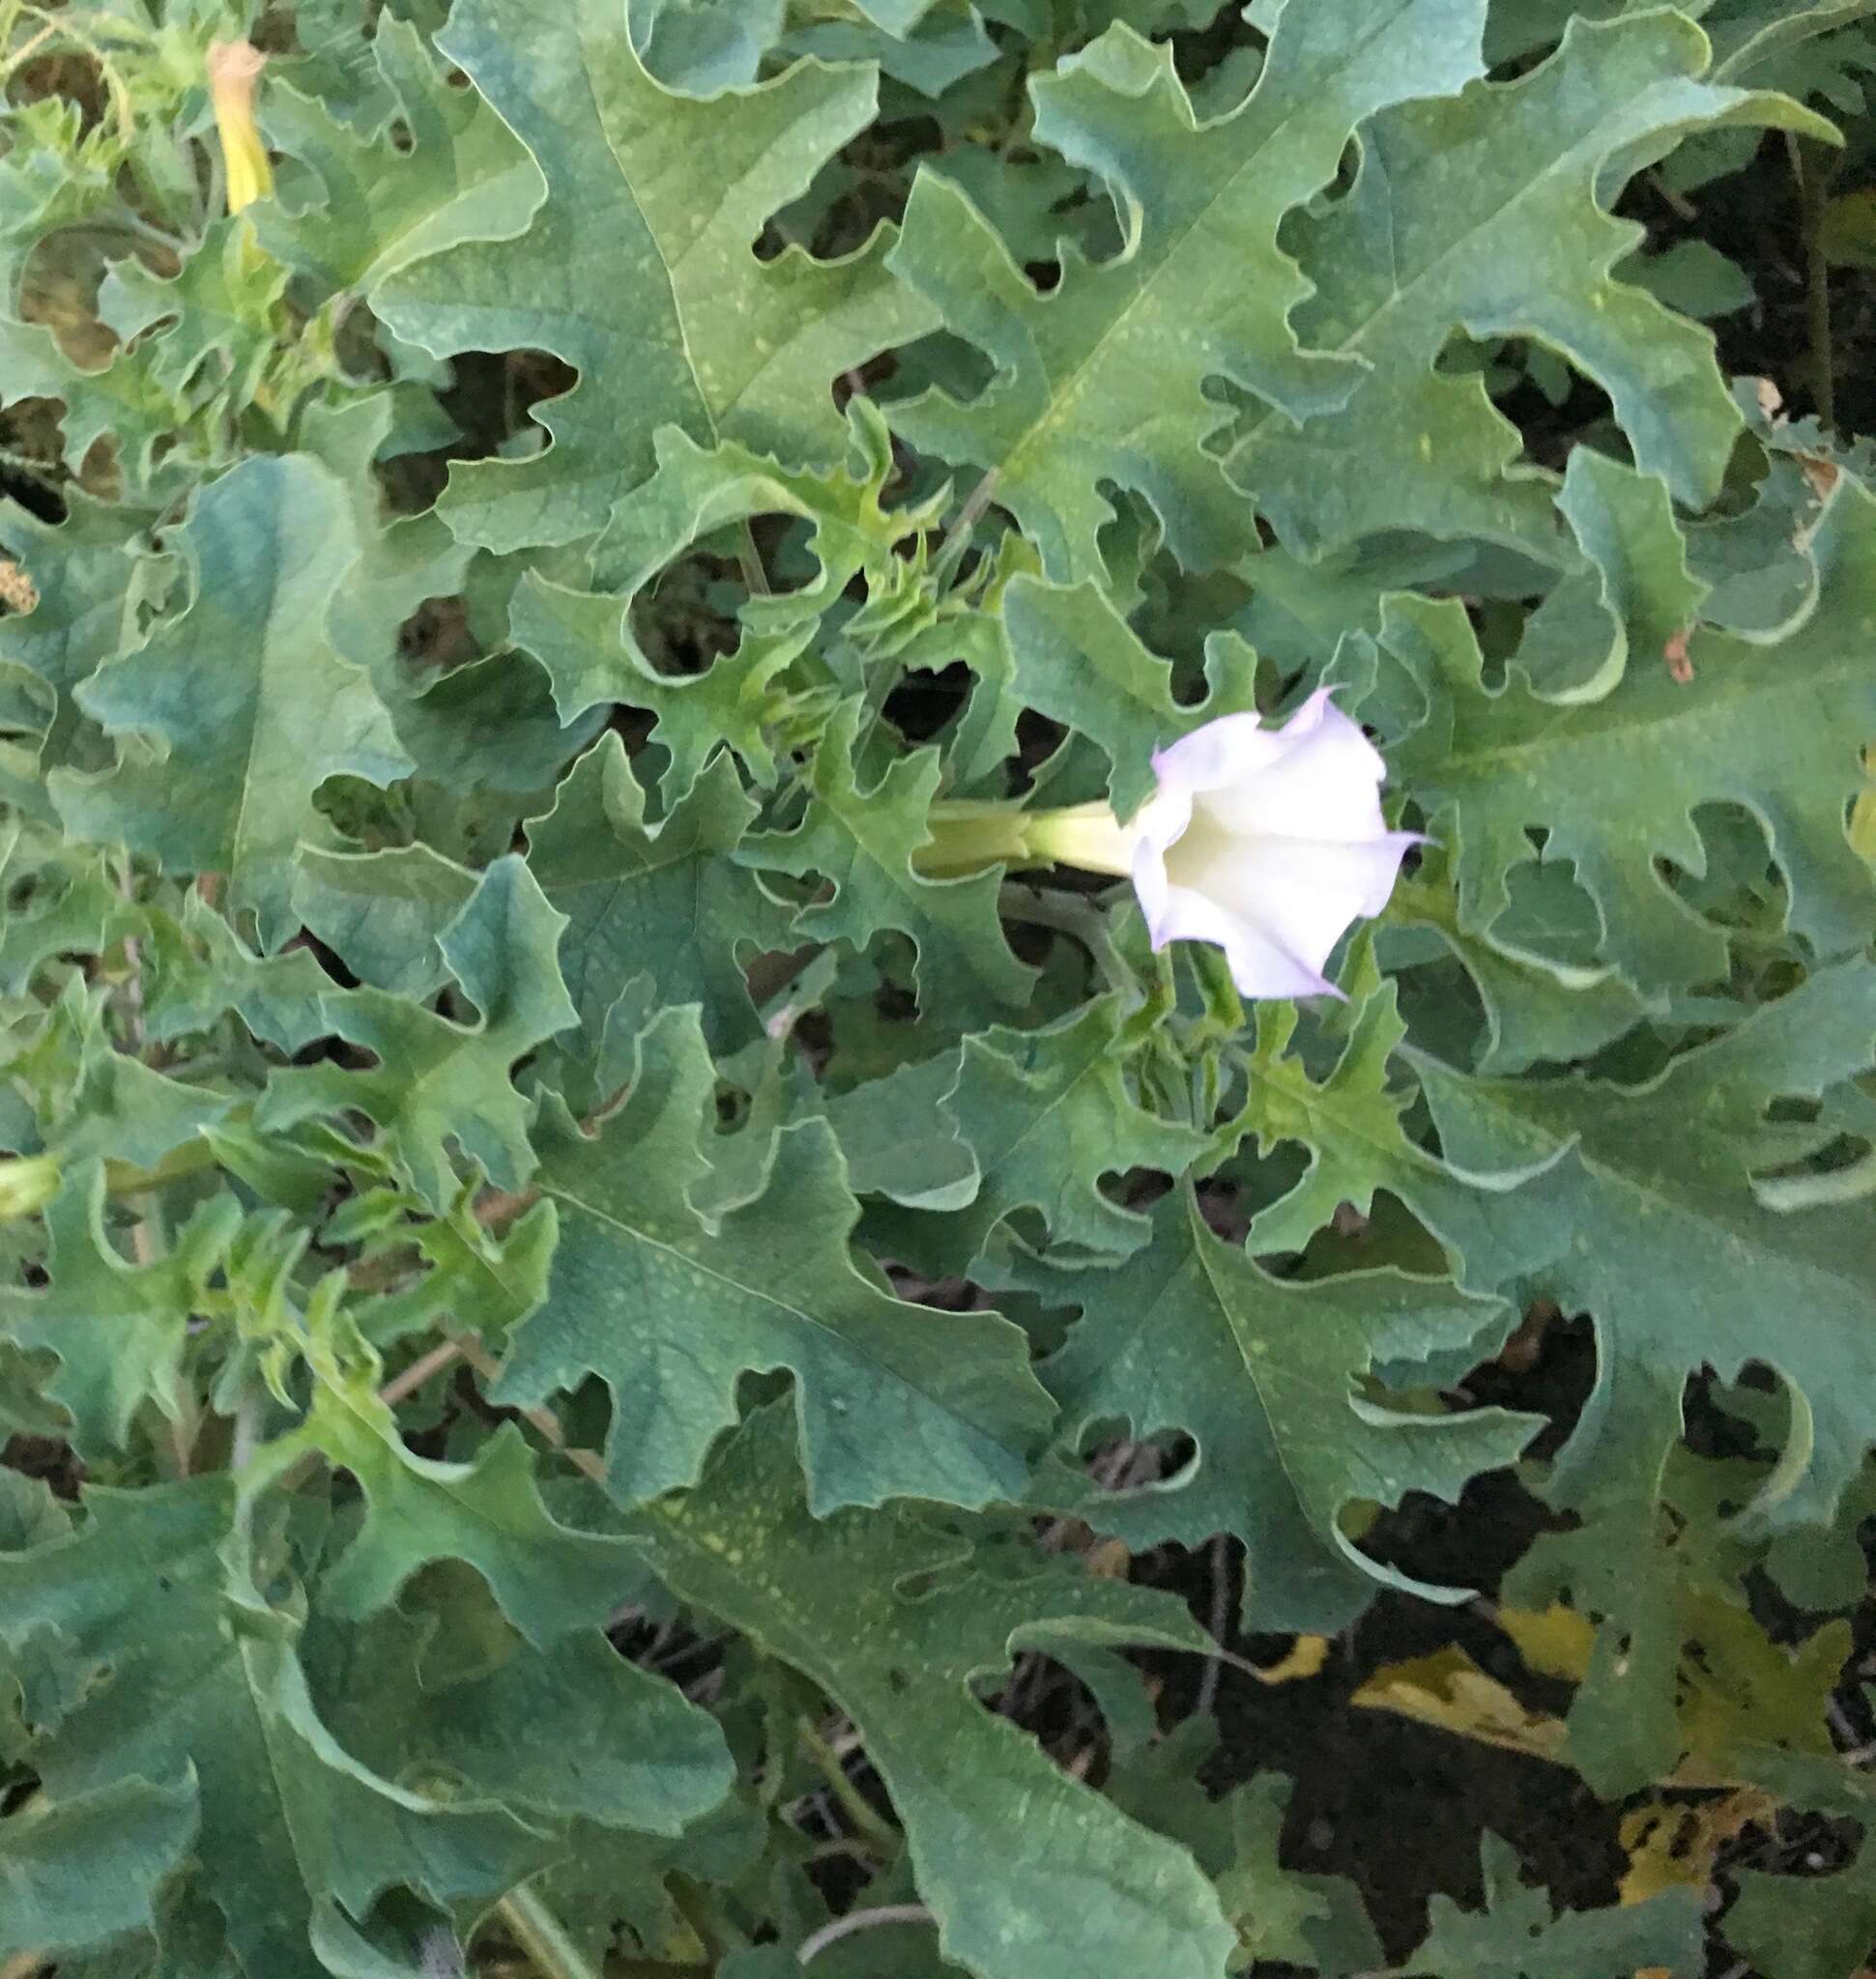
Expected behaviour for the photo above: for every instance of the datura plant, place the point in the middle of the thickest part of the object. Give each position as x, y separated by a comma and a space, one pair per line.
936, 987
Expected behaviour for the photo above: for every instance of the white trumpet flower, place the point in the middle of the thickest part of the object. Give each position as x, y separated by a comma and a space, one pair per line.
1266, 842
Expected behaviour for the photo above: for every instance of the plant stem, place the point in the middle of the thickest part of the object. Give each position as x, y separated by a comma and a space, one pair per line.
420, 1372
1080, 919
750, 561
854, 1804
957, 537
34, 45
861, 1920
543, 1937
470, 1346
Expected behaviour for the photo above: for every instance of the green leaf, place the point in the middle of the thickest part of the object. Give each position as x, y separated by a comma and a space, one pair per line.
1102, 380
865, 843
118, 1329
894, 1400
384, 914
1488, 212
222, 307
1537, 1007
474, 1280
1746, 32
700, 490
661, 197
1348, 1119
119, 401
702, 47
403, 560
1681, 1678
90, 579
1635, 596
1267, 1378
549, 1579
86, 1870
900, 1138
1519, 1933
72, 904
1688, 1254
438, 1082
571, 1732
944, 48
97, 1100
1078, 1887
1317, 1922
1078, 662
584, 640
1046, 1114
1614, 784
197, 970
201, 1673
577, 1731
667, 904
1804, 1927
233, 713
459, 175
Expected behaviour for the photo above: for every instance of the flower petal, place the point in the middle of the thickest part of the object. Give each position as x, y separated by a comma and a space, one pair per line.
1326, 783
1260, 965
1219, 755
1306, 891
1267, 844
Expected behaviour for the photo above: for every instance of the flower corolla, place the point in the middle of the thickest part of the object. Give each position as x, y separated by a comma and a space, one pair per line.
1266, 841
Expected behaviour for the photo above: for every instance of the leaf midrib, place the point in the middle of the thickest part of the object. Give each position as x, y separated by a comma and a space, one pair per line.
1069, 390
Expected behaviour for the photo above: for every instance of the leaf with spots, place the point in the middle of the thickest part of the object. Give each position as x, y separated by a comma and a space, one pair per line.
1078, 1887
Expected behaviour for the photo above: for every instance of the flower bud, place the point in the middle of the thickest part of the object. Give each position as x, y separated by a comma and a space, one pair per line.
234, 74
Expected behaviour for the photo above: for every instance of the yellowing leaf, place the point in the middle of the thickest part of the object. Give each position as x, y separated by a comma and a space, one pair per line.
1677, 1847
1304, 1658
1555, 1642
1449, 1691
1863, 813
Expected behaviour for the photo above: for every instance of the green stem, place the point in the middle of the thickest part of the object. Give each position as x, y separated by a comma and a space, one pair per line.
749, 562
543, 1937
854, 1804
963, 524
1223, 1005
1082, 920
711, 1932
